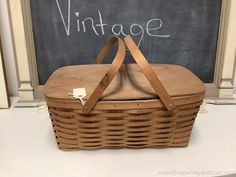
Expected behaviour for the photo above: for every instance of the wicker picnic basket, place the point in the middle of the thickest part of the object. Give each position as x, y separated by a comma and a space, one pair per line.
126, 105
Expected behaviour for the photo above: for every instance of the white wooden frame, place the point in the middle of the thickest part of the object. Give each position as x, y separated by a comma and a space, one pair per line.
4, 98
31, 92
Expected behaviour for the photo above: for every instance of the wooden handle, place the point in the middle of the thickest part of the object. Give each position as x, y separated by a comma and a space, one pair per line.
149, 73
114, 68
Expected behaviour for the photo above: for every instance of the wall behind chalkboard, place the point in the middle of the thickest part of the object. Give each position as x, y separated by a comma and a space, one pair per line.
183, 32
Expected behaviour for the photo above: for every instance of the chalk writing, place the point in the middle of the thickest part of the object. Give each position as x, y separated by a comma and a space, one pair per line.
151, 28
67, 27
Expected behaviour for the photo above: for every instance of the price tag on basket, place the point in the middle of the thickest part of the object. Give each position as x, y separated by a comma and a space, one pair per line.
79, 93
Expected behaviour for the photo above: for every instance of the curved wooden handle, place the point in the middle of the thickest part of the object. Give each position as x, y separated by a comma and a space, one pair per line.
149, 73
114, 68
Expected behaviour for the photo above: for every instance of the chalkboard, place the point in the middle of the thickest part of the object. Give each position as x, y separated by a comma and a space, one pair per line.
70, 32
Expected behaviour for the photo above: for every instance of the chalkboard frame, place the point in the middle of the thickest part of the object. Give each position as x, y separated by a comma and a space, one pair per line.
31, 92
4, 95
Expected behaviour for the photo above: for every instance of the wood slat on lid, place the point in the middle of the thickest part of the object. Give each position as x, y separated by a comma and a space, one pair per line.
129, 84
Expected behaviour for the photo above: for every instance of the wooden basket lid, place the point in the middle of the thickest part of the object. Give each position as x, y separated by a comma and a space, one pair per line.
129, 84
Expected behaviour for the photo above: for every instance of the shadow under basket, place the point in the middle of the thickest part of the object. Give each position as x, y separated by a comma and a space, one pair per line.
127, 113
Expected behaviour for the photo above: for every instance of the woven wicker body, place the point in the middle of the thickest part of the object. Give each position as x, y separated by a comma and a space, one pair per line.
123, 125
128, 112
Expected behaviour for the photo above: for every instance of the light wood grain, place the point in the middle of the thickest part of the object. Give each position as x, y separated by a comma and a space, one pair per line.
124, 118
129, 84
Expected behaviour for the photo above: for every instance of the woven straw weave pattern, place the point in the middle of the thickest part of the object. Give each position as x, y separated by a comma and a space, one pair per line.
134, 128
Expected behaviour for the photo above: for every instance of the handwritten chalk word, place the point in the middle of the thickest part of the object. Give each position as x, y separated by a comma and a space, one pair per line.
151, 27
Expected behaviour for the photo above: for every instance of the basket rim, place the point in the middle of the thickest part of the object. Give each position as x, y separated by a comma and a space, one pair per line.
124, 105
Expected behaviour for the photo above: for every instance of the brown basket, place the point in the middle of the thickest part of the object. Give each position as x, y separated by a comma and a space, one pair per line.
129, 107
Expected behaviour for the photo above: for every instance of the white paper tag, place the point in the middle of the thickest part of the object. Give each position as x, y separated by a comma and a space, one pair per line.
79, 93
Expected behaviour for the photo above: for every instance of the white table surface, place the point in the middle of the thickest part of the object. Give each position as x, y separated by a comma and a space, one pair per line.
28, 149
